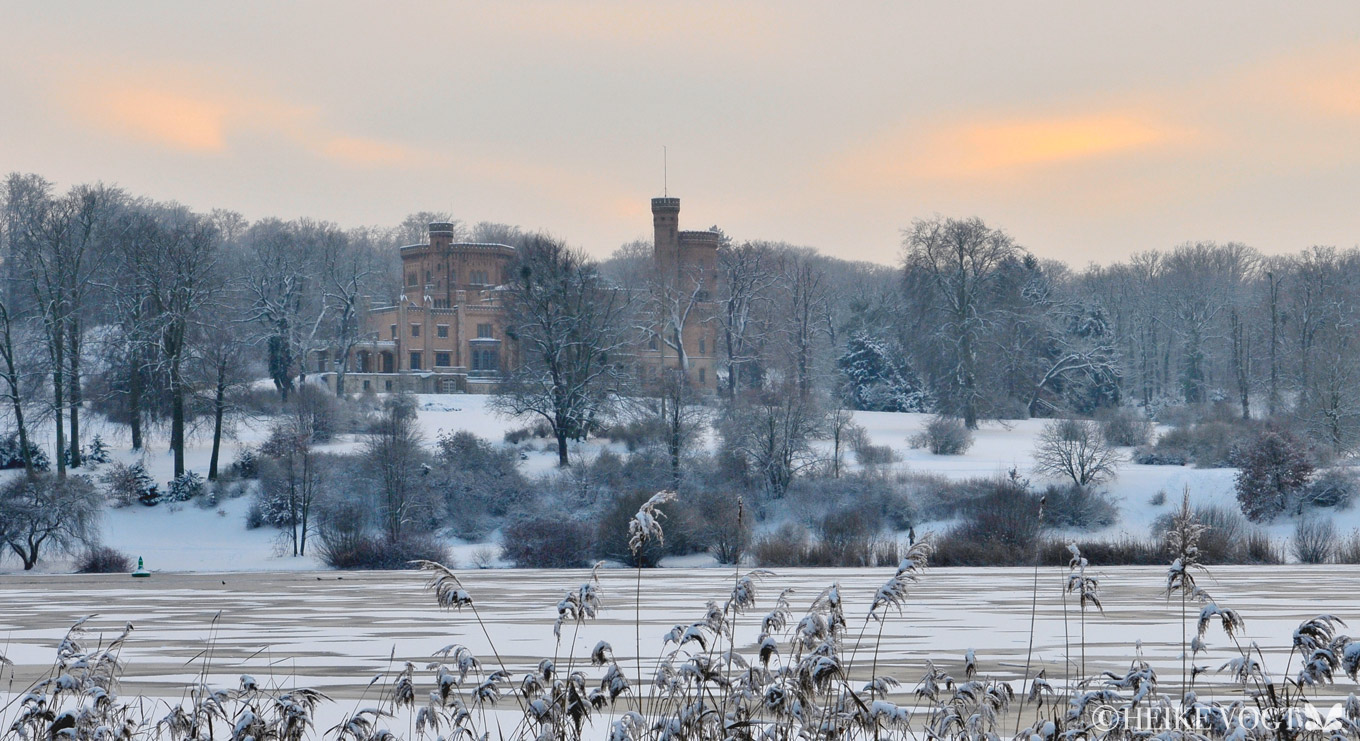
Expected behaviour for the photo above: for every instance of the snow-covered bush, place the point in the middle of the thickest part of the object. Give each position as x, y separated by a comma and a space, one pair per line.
548, 543
1334, 487
1214, 444
944, 436
1274, 471
1079, 508
377, 553
97, 452
1227, 537
184, 487
11, 456
126, 484
1314, 540
1124, 427
246, 465
104, 560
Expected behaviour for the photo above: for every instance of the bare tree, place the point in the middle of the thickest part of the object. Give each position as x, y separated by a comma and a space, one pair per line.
394, 455
60, 248
47, 512
182, 282
747, 277
772, 431
569, 328
1075, 449
957, 258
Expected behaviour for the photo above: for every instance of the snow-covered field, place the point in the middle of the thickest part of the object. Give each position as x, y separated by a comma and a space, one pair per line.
188, 538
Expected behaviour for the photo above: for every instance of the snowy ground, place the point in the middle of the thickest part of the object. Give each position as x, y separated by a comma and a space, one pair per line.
192, 539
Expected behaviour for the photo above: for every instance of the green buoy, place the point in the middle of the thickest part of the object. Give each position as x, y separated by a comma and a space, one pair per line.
141, 570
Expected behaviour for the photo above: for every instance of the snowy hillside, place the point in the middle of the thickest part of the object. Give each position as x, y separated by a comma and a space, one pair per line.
188, 537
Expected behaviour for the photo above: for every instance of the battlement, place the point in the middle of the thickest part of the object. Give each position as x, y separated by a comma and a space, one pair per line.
665, 204
700, 237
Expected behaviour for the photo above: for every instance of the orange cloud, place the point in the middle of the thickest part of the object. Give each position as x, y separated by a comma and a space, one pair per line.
205, 119
163, 117
997, 149
367, 152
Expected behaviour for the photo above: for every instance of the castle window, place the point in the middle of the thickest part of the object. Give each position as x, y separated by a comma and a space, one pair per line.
485, 360
415, 330
387, 385
703, 376
394, 331
428, 276
484, 331
453, 277
441, 330
441, 360
479, 278
368, 386
652, 344
703, 348
415, 361
412, 278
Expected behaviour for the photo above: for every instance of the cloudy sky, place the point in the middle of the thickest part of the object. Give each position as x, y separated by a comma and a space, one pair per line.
1089, 131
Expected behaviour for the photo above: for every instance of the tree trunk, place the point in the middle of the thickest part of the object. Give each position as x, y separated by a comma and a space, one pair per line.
135, 402
562, 450
177, 417
59, 396
219, 404
73, 334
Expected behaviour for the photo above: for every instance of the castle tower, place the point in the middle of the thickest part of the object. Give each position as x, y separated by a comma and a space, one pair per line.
666, 223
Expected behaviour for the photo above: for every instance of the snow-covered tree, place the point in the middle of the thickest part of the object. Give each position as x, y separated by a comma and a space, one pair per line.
878, 377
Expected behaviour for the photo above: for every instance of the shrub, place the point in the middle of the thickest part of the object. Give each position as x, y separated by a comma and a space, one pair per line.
1334, 487
127, 484
1214, 444
1125, 551
636, 434
1125, 427
186, 486
869, 455
547, 543
1348, 550
1154, 457
246, 465
11, 456
1227, 538
847, 534
1005, 519
723, 527
97, 452
1314, 540
381, 554
1158, 499
104, 560
944, 436
1075, 507
1273, 470
784, 547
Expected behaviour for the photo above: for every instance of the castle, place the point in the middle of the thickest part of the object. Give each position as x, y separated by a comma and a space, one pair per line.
446, 332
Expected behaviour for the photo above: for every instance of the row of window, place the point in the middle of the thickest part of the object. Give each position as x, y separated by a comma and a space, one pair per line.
484, 331
655, 344
482, 360
475, 277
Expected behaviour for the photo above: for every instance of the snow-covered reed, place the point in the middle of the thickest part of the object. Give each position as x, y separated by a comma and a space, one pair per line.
812, 674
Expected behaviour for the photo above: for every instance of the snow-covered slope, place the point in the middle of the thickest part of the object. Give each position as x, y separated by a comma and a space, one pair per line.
189, 538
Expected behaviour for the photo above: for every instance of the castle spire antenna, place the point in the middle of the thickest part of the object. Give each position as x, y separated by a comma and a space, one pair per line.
665, 173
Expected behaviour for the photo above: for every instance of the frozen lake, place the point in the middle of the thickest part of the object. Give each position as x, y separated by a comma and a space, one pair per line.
336, 632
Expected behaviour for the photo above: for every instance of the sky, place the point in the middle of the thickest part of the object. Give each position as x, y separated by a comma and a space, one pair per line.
1088, 131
